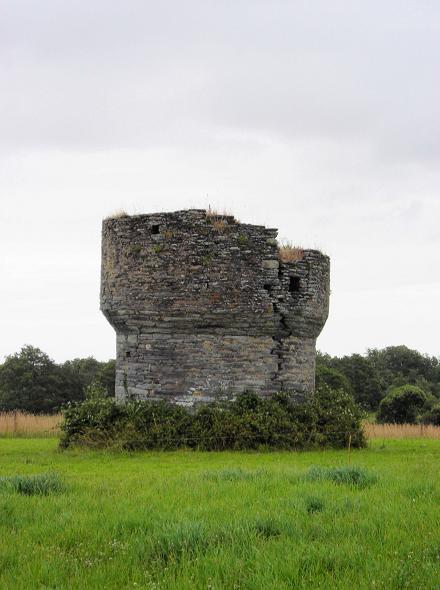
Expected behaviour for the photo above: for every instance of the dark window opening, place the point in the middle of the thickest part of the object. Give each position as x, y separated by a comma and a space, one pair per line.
154, 229
128, 354
268, 287
294, 284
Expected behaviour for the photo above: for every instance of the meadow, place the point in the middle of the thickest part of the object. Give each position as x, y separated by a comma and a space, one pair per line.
178, 520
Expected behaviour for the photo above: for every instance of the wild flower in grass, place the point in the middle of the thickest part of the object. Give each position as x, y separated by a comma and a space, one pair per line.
349, 475
41, 484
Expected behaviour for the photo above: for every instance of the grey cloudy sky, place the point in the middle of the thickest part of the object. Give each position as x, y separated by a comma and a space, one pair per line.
320, 118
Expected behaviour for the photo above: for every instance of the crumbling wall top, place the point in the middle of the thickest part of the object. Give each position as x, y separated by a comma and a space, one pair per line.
198, 272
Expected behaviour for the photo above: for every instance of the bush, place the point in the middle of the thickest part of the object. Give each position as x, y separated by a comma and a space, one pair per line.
329, 418
403, 405
332, 378
338, 418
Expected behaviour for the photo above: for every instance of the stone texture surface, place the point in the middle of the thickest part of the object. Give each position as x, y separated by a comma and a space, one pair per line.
203, 308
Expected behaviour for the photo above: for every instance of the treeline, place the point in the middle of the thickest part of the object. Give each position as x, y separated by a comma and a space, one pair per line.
371, 377
31, 381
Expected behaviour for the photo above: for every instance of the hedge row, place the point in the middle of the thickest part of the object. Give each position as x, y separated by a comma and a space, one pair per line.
330, 418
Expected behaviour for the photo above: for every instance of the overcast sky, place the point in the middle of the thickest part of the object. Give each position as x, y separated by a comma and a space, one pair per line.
317, 117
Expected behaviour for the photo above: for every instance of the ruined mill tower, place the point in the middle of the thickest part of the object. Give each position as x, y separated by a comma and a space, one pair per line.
204, 308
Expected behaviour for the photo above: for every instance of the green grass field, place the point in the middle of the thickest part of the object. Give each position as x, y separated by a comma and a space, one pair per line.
220, 520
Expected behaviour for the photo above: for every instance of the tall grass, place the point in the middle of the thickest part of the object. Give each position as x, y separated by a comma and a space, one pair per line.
398, 431
40, 484
23, 424
44, 425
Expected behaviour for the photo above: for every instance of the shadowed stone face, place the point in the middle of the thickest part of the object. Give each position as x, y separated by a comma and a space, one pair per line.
204, 309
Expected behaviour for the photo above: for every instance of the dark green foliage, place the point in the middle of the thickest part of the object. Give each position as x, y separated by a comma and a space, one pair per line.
81, 373
432, 416
267, 528
338, 418
361, 374
403, 405
399, 365
249, 422
41, 484
333, 379
314, 504
352, 476
32, 382
372, 375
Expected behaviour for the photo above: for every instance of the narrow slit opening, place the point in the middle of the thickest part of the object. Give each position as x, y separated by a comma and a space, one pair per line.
294, 284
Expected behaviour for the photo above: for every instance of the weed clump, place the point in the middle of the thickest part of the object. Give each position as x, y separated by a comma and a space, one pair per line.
287, 252
42, 484
267, 528
314, 504
178, 541
352, 476
118, 214
237, 474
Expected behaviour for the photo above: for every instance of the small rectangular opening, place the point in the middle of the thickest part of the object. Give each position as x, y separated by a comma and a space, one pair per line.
128, 354
155, 229
294, 284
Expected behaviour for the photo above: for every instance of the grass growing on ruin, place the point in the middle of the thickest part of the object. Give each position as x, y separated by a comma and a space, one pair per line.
184, 520
118, 214
287, 252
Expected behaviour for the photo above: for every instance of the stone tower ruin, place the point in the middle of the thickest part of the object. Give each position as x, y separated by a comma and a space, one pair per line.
204, 308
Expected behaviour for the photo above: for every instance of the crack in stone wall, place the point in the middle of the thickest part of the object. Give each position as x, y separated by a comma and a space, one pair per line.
204, 309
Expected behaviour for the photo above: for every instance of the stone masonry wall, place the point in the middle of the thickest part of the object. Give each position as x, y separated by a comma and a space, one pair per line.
204, 309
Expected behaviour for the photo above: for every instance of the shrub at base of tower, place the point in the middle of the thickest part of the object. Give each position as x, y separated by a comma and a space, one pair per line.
404, 405
329, 419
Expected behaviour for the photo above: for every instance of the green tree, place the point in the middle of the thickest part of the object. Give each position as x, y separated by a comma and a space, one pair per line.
30, 381
399, 365
107, 376
80, 373
366, 386
403, 404
333, 378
